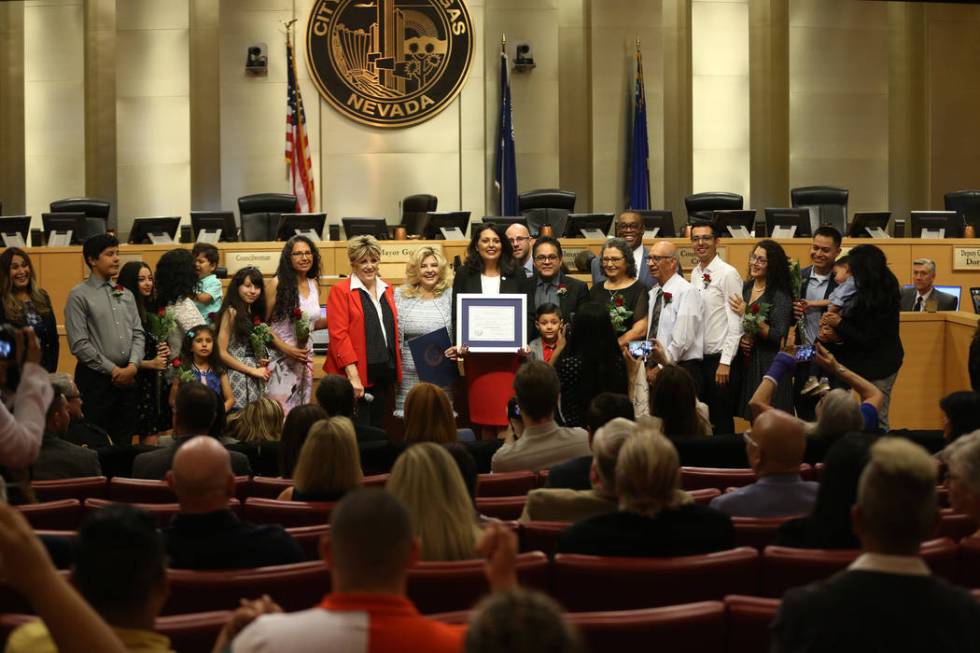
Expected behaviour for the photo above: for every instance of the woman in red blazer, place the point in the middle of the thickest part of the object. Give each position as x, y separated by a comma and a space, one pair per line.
363, 325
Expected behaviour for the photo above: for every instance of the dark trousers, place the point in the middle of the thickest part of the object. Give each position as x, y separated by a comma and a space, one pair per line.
372, 413
718, 398
106, 405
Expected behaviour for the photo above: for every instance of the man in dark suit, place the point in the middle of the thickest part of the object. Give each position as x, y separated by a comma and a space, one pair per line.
574, 474
59, 458
194, 411
817, 284
630, 228
551, 285
886, 600
923, 293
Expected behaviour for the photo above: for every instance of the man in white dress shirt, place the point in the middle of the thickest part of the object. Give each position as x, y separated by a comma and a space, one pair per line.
675, 313
716, 281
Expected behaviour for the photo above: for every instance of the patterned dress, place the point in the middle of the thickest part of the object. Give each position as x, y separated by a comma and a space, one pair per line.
153, 389
291, 381
244, 387
417, 317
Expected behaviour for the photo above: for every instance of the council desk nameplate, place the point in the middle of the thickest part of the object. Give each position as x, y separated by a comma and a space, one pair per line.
266, 261
401, 251
690, 260
966, 258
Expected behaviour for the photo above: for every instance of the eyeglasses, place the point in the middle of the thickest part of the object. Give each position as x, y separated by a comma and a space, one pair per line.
659, 259
702, 239
302, 254
761, 260
629, 226
607, 260
747, 436
546, 258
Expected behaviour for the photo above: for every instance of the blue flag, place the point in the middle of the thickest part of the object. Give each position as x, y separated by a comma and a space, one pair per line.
505, 176
638, 191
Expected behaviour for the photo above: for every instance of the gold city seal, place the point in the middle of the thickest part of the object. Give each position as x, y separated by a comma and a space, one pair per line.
389, 63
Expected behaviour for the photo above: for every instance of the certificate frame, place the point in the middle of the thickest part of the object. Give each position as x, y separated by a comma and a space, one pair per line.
515, 304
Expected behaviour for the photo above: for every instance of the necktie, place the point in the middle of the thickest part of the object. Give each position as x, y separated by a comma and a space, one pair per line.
658, 305
918, 305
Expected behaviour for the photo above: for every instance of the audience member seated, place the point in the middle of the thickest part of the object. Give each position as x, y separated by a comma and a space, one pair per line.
538, 441
22, 412
295, 430
560, 504
206, 534
370, 549
329, 463
520, 621
961, 414
775, 448
962, 459
428, 483
837, 412
80, 430
886, 600
575, 474
655, 517
121, 570
59, 458
829, 526
467, 467
259, 421
429, 415
674, 405
335, 394
194, 411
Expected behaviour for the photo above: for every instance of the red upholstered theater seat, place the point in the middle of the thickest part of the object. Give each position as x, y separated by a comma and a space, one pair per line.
505, 508
955, 525
63, 515
287, 513
785, 567
308, 538
447, 586
704, 495
162, 512
748, 620
141, 490
695, 478
540, 535
85, 487
192, 633
377, 480
266, 487
506, 484
688, 628
294, 587
587, 583
757, 532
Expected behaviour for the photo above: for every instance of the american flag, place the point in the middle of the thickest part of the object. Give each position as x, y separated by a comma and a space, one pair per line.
297, 143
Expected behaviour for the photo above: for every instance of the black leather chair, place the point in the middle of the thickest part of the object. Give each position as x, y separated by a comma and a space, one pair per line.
830, 202
414, 210
260, 214
967, 204
546, 206
96, 213
701, 206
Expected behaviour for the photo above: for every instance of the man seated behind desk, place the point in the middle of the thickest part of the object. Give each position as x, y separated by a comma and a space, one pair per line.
923, 292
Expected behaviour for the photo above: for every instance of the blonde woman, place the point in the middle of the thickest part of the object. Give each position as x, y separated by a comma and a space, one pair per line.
425, 303
428, 483
363, 323
329, 463
260, 421
655, 517
429, 415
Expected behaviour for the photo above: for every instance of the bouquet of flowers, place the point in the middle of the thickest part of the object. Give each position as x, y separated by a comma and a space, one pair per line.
618, 313
260, 337
796, 285
184, 373
301, 326
162, 323
755, 314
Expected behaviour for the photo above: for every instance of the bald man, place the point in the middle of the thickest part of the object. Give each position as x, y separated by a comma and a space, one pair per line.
775, 448
207, 534
520, 241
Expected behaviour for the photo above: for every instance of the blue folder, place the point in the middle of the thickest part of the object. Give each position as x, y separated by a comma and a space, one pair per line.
428, 352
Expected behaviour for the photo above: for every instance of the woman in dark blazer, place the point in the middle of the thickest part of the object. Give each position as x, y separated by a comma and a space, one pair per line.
490, 269
363, 324
25, 304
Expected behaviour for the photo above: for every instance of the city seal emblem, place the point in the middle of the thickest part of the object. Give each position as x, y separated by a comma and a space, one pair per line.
389, 63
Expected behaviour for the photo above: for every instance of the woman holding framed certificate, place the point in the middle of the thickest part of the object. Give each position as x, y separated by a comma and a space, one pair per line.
489, 269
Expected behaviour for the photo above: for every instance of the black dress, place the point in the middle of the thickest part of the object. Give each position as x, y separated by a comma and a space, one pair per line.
634, 299
45, 328
153, 392
750, 369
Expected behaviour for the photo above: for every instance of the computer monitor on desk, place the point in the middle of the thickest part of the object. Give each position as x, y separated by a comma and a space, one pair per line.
598, 223
930, 224
504, 220
13, 230
537, 218
869, 224
661, 222
799, 218
439, 220
377, 227
212, 221
307, 224
62, 223
737, 220
156, 231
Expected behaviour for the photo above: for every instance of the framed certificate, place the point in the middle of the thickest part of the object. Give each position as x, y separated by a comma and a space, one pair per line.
491, 323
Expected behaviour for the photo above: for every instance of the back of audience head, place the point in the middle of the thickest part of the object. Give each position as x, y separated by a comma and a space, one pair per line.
294, 432
896, 504
605, 407
593, 340
962, 457
536, 386
673, 398
607, 442
329, 462
467, 466
57, 418
120, 566
837, 413
830, 525
520, 621
371, 544
201, 475
429, 415
194, 409
335, 394
428, 483
776, 443
648, 474
961, 413
259, 421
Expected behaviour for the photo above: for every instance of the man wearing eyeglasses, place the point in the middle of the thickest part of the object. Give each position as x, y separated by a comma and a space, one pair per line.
551, 285
520, 242
629, 227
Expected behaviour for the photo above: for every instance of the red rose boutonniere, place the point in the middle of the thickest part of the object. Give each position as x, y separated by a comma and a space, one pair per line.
668, 297
619, 300
176, 362
562, 289
707, 279
118, 290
